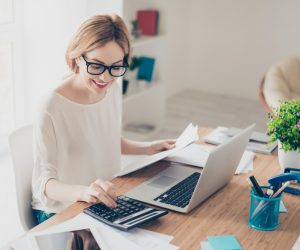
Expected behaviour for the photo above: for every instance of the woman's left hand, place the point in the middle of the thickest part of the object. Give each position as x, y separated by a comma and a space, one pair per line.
161, 145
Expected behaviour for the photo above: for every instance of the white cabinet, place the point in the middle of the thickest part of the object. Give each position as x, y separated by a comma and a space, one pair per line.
144, 103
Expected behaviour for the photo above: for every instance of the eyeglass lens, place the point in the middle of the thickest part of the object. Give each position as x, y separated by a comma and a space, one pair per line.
97, 69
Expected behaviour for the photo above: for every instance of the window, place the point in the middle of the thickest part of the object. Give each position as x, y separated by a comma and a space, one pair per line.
6, 89
6, 11
8, 41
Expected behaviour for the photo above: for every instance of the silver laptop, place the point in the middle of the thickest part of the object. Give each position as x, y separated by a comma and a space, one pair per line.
182, 188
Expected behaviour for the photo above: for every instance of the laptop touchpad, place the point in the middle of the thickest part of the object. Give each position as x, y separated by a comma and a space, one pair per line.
162, 181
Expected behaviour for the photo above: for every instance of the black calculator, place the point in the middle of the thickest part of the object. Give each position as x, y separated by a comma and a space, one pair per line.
129, 213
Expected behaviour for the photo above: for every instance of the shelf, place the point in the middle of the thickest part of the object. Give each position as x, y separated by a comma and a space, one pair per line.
144, 102
135, 91
145, 40
139, 136
146, 107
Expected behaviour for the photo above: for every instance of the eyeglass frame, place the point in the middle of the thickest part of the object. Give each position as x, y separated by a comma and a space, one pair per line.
109, 68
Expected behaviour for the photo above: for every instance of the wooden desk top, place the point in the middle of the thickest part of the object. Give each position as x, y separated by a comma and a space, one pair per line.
226, 212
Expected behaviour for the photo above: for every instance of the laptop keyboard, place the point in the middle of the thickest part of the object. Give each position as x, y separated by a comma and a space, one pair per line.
181, 193
128, 213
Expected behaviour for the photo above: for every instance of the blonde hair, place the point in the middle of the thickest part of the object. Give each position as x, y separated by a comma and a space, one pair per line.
96, 32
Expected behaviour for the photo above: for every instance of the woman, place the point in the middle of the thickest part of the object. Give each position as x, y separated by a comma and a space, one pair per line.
78, 141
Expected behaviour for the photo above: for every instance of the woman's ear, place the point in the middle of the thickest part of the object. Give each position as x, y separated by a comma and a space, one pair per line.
77, 61
76, 65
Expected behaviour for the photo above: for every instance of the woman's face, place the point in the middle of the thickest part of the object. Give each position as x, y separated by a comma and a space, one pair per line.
111, 54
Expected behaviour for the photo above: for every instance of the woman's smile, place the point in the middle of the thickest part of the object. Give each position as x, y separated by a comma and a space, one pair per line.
99, 84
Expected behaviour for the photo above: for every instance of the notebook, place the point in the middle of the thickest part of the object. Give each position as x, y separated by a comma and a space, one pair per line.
258, 141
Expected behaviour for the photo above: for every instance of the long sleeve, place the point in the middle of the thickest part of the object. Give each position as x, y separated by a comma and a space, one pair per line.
45, 157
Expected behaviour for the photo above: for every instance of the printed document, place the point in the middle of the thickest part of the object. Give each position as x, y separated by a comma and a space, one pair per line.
131, 163
197, 154
107, 237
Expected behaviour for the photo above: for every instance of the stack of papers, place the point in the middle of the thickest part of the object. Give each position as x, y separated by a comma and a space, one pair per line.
224, 242
282, 208
196, 155
246, 163
297, 244
107, 237
258, 142
131, 163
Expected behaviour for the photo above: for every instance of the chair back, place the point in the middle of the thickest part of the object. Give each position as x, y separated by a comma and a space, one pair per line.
21, 147
262, 98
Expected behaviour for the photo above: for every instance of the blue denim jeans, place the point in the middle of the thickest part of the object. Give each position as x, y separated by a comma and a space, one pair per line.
41, 216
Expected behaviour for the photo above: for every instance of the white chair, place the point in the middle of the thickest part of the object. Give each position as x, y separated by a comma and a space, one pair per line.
281, 82
20, 142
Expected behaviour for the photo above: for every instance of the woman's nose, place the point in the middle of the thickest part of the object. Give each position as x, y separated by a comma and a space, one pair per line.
105, 77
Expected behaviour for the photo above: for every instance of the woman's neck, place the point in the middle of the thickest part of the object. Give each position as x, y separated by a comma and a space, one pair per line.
74, 90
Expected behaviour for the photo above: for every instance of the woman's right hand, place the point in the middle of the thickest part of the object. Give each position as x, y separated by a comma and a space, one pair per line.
100, 191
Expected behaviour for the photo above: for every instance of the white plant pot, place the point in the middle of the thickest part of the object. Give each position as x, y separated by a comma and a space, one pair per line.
290, 159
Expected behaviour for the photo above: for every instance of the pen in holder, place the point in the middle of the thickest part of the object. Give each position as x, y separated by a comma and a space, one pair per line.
264, 212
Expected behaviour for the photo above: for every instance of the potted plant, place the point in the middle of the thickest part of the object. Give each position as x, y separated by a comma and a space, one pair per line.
284, 126
135, 32
130, 76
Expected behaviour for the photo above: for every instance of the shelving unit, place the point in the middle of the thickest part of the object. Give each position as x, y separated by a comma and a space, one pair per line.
144, 103
142, 90
146, 107
145, 40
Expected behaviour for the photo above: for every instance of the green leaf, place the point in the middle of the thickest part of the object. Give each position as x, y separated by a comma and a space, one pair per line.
284, 125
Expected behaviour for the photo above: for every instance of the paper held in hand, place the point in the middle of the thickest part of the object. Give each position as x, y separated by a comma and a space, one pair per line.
131, 163
196, 155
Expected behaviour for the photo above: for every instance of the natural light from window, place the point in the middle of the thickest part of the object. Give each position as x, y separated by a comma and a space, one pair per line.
6, 67
6, 90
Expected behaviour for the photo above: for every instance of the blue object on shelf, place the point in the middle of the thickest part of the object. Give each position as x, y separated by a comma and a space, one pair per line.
145, 70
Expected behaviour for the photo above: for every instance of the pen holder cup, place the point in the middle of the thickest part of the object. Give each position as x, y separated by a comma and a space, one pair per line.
264, 212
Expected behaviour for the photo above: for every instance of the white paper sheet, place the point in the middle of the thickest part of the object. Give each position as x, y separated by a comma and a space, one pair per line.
196, 155
188, 136
21, 244
297, 244
160, 236
144, 239
108, 237
126, 160
63, 240
246, 163
220, 135
148, 241
115, 240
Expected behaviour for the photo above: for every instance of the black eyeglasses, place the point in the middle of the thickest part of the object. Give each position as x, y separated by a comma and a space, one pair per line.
98, 68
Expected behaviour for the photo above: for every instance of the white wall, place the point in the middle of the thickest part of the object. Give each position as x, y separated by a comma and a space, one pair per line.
46, 31
173, 23
232, 43
216, 46
175, 18
47, 28
95, 7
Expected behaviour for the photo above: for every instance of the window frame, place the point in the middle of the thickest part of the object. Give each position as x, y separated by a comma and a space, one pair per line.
12, 32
